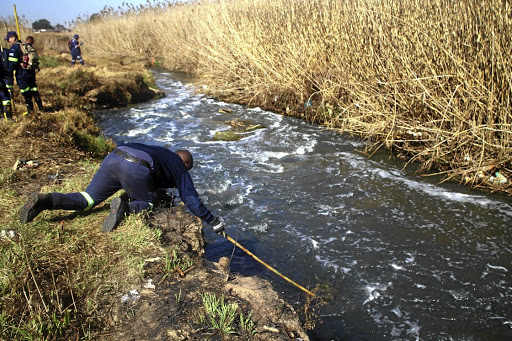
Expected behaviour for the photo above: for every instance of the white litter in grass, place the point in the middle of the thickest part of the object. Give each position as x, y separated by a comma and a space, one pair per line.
149, 284
132, 295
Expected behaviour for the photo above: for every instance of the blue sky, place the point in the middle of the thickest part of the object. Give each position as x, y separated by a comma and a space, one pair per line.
59, 11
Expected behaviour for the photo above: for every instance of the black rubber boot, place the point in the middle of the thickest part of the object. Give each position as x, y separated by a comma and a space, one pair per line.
29, 103
35, 204
30, 110
118, 208
39, 102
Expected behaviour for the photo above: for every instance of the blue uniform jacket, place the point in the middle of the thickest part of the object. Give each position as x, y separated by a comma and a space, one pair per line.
4, 94
169, 171
3, 74
75, 47
14, 59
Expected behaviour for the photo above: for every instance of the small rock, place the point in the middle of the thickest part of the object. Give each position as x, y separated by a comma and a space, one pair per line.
271, 329
224, 262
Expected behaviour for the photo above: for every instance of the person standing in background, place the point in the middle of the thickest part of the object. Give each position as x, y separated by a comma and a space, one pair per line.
28, 86
25, 76
5, 97
12, 64
74, 48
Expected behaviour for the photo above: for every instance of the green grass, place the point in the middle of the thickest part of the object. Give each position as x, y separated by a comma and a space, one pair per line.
247, 323
219, 314
51, 61
56, 279
7, 175
174, 262
97, 145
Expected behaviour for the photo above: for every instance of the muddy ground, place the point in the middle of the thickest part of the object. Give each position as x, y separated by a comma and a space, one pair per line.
168, 306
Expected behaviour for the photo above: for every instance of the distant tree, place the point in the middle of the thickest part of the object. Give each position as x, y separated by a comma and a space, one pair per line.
95, 17
60, 27
42, 24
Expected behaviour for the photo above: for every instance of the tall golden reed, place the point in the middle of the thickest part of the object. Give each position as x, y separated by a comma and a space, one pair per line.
429, 79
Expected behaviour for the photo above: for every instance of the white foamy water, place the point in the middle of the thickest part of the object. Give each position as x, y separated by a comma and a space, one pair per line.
397, 177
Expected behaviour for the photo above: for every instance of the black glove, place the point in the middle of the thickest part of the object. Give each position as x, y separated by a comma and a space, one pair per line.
217, 224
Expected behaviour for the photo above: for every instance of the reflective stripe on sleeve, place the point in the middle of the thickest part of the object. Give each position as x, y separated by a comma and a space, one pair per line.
150, 207
90, 202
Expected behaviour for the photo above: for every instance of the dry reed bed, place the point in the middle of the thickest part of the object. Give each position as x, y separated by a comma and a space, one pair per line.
428, 79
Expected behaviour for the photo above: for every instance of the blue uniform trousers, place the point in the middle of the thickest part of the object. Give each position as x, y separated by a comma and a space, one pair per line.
76, 56
5, 97
29, 90
115, 173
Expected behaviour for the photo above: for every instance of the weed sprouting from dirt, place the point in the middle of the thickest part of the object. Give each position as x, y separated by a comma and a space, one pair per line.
219, 314
174, 263
247, 323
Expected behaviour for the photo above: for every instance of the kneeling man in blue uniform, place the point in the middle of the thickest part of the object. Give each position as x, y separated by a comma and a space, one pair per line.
140, 170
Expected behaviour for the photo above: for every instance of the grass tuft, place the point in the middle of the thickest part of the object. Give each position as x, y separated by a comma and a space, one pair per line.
219, 314
96, 145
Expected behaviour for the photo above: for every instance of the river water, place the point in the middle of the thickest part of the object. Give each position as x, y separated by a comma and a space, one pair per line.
405, 258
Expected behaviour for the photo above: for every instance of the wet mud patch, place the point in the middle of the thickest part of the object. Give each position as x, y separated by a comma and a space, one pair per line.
167, 303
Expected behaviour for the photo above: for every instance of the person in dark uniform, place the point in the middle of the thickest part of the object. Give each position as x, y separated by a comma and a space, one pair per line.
29, 76
5, 97
74, 47
25, 78
140, 170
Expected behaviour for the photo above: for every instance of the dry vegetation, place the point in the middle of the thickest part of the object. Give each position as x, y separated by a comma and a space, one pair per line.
430, 80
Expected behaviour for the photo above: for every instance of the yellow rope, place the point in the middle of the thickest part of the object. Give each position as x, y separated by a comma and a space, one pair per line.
265, 264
